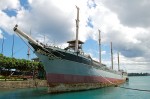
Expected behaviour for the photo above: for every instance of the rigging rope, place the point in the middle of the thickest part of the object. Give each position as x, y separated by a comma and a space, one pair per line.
33, 50
18, 50
25, 42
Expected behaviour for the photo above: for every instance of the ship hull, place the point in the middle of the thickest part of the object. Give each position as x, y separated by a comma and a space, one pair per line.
65, 75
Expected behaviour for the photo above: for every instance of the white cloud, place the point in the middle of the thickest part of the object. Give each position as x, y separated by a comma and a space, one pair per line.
30, 1
1, 36
132, 42
131, 13
103, 52
7, 22
138, 64
9, 4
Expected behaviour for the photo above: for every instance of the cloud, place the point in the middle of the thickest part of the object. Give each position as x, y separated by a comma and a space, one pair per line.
1, 36
131, 13
91, 4
103, 52
130, 41
6, 20
55, 25
138, 64
9, 4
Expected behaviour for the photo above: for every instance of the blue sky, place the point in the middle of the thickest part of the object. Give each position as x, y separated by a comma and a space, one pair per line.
56, 20
20, 48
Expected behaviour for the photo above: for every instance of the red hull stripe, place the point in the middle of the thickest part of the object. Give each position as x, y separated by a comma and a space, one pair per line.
65, 78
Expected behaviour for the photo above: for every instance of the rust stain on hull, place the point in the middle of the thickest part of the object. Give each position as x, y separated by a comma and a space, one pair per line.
68, 87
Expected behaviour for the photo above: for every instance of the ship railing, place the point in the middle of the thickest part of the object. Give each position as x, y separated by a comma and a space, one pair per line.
48, 53
107, 69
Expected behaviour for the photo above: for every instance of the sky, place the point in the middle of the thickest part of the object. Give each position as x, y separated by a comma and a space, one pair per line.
125, 23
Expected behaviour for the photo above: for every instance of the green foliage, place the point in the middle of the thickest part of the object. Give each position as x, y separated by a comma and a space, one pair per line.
19, 64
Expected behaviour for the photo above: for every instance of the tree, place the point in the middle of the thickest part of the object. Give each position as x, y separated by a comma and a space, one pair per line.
18, 64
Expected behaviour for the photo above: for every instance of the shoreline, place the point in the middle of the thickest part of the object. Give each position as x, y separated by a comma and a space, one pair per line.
30, 83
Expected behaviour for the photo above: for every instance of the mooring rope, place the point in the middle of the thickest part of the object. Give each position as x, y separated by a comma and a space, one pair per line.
124, 87
134, 89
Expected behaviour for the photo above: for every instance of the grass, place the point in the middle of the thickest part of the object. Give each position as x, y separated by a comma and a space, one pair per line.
11, 78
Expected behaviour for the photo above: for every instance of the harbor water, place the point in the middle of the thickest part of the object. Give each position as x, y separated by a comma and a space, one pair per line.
140, 82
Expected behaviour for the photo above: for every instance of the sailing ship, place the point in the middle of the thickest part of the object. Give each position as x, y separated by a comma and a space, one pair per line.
70, 69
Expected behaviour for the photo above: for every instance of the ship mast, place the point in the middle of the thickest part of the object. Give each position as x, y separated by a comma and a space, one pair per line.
77, 29
28, 52
99, 46
12, 54
111, 55
2, 45
118, 62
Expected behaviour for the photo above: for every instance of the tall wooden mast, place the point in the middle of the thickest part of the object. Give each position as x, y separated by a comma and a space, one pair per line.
99, 46
111, 55
2, 45
118, 62
28, 52
12, 54
77, 29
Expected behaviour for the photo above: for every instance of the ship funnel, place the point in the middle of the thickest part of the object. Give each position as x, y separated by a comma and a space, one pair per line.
26, 36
